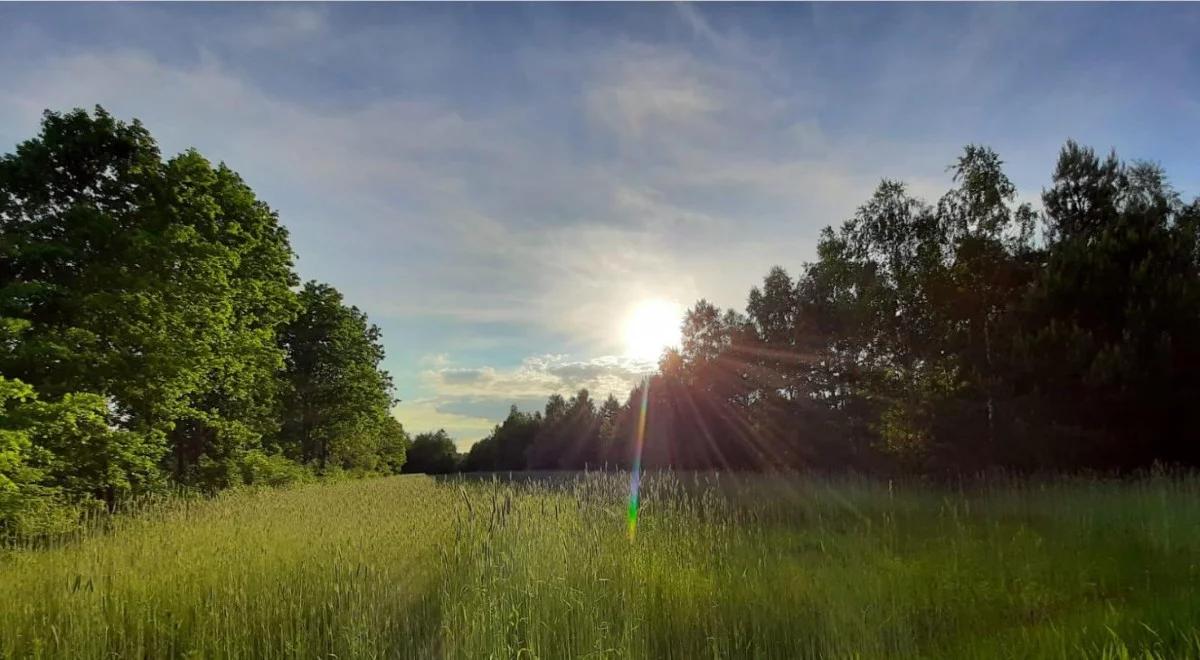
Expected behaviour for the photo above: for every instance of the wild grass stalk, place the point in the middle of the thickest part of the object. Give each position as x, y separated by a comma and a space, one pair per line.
721, 566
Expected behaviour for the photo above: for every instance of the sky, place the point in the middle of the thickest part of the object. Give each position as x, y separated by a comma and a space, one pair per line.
501, 186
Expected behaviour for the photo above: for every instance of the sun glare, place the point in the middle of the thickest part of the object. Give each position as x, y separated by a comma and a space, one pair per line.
650, 327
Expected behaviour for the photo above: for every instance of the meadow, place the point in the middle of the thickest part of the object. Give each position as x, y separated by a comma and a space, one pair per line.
545, 567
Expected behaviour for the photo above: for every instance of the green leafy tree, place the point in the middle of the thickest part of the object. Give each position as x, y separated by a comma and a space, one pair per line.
156, 286
149, 330
393, 445
1110, 347
432, 453
101, 289
240, 404
21, 480
338, 397
55, 453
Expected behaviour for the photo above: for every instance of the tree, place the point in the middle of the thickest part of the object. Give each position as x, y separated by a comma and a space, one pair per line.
506, 446
1111, 343
22, 482
566, 439
393, 445
432, 453
101, 289
337, 399
146, 310
156, 286
607, 426
54, 453
240, 404
945, 338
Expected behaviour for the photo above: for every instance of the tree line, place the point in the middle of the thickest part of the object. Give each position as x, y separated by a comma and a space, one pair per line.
951, 337
154, 332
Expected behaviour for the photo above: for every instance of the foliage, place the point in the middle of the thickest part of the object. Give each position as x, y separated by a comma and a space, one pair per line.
432, 453
505, 448
567, 436
24, 499
146, 302
943, 338
259, 468
336, 407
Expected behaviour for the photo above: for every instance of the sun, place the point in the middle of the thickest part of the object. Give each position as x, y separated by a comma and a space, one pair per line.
651, 326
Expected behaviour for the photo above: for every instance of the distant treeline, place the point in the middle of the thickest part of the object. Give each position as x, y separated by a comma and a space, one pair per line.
953, 337
153, 332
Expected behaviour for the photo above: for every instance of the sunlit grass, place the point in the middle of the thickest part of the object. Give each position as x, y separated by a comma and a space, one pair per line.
721, 567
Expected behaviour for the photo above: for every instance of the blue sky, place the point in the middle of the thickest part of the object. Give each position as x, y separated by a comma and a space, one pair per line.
498, 186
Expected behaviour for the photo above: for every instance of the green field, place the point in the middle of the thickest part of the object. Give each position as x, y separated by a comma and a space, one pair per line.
720, 567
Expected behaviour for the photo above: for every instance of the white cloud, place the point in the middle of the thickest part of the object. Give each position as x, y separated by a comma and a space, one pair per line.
423, 415
537, 377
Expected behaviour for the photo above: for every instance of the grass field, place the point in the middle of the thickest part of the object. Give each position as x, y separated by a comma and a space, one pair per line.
719, 567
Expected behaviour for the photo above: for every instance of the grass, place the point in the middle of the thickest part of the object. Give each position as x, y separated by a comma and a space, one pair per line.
721, 566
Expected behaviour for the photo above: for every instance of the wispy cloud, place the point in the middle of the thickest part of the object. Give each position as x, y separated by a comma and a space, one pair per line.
282, 26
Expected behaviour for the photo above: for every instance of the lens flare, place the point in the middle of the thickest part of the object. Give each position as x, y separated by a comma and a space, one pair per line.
635, 477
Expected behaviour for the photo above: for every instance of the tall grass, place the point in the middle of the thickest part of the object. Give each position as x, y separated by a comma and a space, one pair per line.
721, 566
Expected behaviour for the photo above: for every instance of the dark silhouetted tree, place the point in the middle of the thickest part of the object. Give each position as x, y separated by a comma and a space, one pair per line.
432, 453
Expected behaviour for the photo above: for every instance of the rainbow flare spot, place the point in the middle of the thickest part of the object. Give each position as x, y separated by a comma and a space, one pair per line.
635, 478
